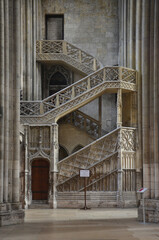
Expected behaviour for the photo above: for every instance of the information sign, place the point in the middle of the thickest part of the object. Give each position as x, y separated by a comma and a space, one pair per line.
85, 173
142, 190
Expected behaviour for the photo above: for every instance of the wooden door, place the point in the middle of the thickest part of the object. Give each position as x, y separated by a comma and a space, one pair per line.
40, 179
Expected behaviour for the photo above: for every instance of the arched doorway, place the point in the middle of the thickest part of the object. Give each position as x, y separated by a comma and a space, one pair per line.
40, 179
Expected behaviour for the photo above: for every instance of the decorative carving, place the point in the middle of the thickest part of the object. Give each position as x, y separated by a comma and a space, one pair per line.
84, 122
71, 97
46, 50
128, 140
101, 157
94, 153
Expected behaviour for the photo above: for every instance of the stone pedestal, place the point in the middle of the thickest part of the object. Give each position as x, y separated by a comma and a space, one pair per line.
151, 210
11, 213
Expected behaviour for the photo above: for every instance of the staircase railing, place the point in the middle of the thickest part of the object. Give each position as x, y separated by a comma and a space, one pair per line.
84, 122
62, 47
81, 92
88, 156
104, 158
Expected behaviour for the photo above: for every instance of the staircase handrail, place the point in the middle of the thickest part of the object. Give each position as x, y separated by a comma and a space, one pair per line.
93, 165
99, 179
89, 145
106, 74
64, 47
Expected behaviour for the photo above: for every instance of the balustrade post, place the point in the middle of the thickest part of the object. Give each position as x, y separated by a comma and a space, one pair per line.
64, 45
80, 56
41, 108
120, 73
73, 92
40, 46
94, 64
104, 75
57, 100
88, 83
119, 108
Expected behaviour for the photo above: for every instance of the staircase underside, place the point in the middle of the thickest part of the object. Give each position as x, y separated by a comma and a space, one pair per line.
60, 58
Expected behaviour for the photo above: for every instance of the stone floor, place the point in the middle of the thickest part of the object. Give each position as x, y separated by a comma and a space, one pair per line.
74, 224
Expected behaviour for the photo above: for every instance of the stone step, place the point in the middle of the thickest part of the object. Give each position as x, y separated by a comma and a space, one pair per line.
38, 206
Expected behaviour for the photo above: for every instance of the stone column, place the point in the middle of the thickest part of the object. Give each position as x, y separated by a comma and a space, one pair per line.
54, 165
39, 37
138, 43
120, 172
6, 98
119, 108
156, 93
151, 101
1, 98
16, 115
145, 92
26, 166
29, 49
132, 34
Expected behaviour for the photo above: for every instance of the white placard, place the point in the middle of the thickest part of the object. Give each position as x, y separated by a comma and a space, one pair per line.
142, 190
84, 173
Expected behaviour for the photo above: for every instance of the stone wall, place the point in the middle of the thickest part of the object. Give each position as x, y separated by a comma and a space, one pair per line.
70, 137
93, 27
90, 25
139, 41
10, 207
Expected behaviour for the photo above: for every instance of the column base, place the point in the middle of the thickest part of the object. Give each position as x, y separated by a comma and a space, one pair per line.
11, 213
151, 210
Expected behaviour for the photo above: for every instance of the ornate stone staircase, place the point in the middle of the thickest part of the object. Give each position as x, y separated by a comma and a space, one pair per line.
49, 110
104, 157
61, 51
111, 158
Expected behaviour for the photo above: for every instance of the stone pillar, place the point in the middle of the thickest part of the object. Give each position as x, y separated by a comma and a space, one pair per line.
119, 108
156, 93
151, 101
6, 97
26, 185
54, 161
29, 49
145, 92
1, 98
139, 97
120, 173
39, 37
16, 115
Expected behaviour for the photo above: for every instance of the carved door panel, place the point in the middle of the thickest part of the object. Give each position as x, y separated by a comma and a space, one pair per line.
40, 179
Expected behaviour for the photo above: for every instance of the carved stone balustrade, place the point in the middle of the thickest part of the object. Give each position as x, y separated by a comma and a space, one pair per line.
106, 158
83, 122
52, 50
108, 79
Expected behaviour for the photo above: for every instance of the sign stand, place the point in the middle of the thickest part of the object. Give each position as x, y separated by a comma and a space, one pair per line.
142, 190
85, 174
